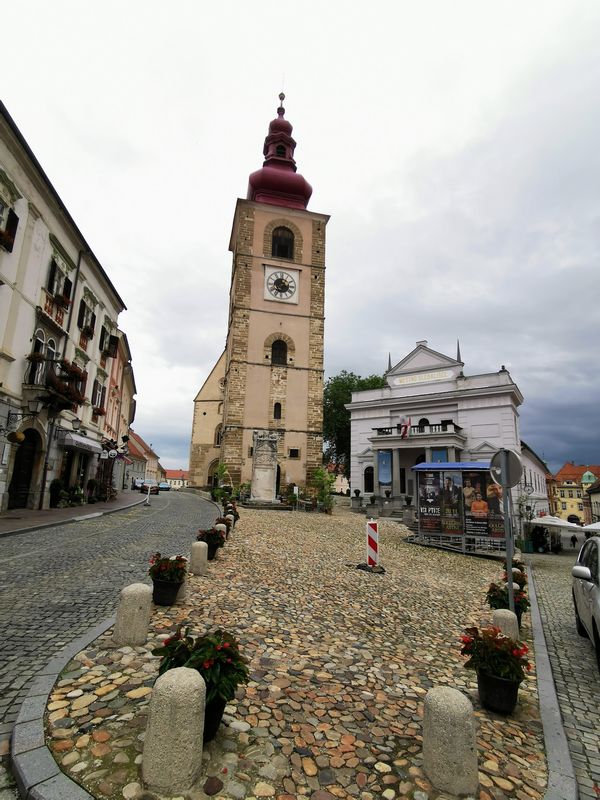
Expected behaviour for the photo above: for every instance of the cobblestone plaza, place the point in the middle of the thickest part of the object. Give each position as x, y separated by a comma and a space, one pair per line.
58, 582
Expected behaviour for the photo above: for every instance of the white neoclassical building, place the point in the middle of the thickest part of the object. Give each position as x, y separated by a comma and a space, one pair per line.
430, 412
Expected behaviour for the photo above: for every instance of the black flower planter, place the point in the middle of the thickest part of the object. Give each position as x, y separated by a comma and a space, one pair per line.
164, 593
213, 714
212, 551
497, 694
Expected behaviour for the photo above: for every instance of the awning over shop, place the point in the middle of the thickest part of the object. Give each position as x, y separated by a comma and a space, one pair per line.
447, 466
77, 442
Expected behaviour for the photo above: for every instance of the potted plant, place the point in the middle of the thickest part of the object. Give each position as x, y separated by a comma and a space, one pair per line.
216, 656
167, 576
56, 487
500, 662
408, 499
213, 538
497, 597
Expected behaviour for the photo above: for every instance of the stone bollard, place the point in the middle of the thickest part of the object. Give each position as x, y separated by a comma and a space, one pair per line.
507, 621
133, 615
220, 526
231, 519
199, 560
183, 591
449, 750
172, 754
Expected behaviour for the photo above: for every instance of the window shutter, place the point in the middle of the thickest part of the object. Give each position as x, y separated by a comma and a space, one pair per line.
95, 388
67, 289
102, 338
10, 231
103, 397
81, 315
93, 322
113, 344
52, 276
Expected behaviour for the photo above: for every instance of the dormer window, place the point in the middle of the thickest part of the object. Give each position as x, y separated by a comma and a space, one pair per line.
282, 243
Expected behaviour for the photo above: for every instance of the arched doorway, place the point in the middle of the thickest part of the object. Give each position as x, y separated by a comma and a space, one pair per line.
19, 489
574, 518
212, 481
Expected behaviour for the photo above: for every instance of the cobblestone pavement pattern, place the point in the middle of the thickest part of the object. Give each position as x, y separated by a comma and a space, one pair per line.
58, 582
340, 663
574, 668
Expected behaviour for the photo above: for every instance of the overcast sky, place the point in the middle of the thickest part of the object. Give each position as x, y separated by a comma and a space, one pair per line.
454, 144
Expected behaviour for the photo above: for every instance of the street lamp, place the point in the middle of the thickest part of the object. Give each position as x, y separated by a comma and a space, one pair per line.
33, 409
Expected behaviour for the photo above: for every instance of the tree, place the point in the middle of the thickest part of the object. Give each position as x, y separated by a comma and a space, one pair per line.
336, 418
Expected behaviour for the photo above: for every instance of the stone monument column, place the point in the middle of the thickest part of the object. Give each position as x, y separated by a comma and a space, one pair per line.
264, 466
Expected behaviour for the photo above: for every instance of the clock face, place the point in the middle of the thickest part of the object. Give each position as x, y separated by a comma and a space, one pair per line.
281, 285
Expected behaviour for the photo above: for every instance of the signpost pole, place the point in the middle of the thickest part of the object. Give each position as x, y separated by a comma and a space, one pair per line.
507, 528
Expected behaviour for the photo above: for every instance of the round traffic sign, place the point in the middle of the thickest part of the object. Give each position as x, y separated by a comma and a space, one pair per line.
514, 468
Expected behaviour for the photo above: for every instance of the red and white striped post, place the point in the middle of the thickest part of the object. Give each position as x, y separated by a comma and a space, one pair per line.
372, 543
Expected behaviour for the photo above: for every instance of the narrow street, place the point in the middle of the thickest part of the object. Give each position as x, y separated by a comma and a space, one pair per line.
574, 667
58, 582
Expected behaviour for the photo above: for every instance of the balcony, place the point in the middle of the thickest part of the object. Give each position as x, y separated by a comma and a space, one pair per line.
54, 307
443, 434
59, 384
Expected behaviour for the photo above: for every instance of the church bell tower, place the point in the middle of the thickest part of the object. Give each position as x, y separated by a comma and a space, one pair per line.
272, 382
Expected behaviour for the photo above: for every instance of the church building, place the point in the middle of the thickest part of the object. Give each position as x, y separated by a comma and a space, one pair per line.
268, 382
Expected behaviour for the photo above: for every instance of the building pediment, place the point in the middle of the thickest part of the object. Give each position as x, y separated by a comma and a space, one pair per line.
423, 365
484, 449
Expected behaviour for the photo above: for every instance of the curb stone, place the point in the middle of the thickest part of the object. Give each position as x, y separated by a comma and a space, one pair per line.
36, 772
561, 775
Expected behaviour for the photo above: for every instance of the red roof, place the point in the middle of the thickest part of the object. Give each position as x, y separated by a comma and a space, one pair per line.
178, 474
574, 472
145, 447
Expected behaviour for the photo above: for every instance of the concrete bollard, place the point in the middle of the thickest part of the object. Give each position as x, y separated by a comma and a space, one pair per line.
449, 750
183, 591
199, 560
231, 519
507, 621
220, 526
133, 615
172, 754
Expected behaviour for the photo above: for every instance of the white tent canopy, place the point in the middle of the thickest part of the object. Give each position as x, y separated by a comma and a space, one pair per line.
595, 526
552, 522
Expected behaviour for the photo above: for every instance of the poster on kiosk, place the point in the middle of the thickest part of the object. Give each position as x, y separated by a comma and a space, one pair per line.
460, 502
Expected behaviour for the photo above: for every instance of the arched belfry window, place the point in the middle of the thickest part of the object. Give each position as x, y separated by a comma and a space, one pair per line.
279, 353
280, 150
218, 435
277, 411
282, 243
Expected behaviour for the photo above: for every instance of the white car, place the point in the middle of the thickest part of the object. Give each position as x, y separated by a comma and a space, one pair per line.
586, 592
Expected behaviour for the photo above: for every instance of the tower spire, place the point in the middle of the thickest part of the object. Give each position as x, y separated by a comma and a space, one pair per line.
389, 369
458, 358
278, 183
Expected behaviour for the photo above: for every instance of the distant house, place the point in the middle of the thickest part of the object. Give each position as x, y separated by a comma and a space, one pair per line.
177, 478
153, 468
572, 501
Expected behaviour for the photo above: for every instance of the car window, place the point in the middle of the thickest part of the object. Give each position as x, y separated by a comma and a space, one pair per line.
590, 559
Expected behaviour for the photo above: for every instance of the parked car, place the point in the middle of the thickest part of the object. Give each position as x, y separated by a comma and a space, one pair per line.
137, 484
164, 486
586, 592
149, 483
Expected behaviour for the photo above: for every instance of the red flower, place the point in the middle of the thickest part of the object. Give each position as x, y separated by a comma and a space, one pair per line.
226, 644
